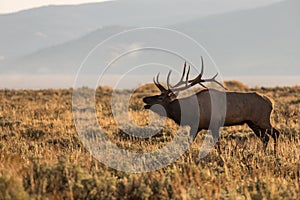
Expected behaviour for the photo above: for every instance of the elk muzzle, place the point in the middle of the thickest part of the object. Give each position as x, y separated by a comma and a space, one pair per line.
148, 101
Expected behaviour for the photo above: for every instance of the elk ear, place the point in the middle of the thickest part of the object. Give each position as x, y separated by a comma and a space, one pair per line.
172, 96
174, 93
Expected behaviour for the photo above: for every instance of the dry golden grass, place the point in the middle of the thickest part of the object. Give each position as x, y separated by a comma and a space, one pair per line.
41, 156
236, 85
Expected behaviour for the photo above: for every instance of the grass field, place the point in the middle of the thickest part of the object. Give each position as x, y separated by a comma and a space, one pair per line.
41, 156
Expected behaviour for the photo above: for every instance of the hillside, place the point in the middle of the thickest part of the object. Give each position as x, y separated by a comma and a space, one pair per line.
30, 30
262, 41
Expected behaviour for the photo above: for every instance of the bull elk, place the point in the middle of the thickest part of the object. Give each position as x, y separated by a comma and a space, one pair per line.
253, 108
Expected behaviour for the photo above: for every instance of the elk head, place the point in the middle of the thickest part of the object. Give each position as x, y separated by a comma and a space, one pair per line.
165, 97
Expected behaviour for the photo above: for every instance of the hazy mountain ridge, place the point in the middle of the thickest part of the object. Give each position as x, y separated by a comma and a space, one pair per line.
27, 31
263, 41
64, 58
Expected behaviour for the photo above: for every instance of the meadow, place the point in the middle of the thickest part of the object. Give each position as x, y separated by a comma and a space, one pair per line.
42, 157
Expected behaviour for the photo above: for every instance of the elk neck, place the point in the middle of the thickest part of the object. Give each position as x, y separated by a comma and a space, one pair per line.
173, 111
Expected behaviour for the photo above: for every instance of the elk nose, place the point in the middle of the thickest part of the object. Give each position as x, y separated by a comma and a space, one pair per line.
145, 99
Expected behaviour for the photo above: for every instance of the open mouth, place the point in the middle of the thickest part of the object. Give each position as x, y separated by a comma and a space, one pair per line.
147, 106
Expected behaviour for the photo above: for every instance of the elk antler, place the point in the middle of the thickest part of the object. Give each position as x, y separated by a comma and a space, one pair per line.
181, 82
158, 85
189, 83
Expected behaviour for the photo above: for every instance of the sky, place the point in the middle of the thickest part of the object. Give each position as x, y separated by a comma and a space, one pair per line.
10, 6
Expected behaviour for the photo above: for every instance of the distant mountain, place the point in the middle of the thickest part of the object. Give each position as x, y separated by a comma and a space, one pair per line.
27, 31
64, 58
261, 41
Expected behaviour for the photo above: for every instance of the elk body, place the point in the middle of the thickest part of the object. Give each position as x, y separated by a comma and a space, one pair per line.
254, 109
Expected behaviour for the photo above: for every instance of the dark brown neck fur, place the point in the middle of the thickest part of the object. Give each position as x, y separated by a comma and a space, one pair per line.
173, 111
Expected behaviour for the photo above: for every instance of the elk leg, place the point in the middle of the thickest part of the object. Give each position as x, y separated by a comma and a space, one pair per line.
275, 134
216, 134
264, 138
261, 133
